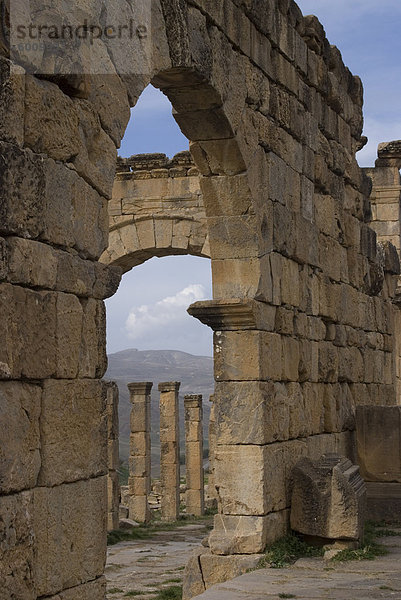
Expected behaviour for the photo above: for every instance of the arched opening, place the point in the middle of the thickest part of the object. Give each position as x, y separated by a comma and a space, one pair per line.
158, 235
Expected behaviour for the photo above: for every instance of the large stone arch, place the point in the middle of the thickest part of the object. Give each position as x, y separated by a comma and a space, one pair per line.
156, 209
274, 118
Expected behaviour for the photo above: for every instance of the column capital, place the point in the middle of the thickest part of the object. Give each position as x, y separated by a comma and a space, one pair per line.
140, 387
193, 400
233, 314
169, 386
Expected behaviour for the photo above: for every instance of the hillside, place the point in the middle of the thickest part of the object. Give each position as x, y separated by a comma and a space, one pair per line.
194, 372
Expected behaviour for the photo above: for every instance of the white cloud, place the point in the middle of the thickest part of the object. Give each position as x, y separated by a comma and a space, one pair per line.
165, 317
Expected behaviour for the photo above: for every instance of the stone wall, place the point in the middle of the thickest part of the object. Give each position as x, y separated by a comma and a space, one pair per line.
303, 328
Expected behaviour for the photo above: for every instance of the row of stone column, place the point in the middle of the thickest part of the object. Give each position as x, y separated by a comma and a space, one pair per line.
140, 452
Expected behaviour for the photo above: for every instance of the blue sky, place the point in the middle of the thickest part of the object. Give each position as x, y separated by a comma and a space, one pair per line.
148, 311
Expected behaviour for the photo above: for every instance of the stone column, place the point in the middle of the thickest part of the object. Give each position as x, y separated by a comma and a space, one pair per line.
194, 497
113, 458
211, 489
139, 459
169, 451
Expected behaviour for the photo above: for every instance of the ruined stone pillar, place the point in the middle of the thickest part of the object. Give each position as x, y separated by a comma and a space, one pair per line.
169, 450
194, 497
113, 458
139, 459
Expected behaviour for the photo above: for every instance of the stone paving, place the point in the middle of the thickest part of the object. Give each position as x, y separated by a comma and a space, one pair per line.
316, 579
146, 566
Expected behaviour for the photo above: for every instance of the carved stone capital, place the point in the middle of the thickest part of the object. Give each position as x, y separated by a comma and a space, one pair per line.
234, 314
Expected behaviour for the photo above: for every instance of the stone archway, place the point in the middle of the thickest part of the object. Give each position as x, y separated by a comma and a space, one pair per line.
275, 120
156, 210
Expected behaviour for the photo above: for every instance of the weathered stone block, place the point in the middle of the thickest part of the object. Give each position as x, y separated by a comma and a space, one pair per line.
92, 353
137, 486
383, 501
20, 407
74, 214
12, 99
139, 509
51, 120
74, 431
69, 526
251, 479
205, 569
31, 263
378, 435
251, 412
28, 330
246, 534
17, 547
263, 352
194, 502
22, 191
69, 330
138, 444
233, 237
88, 591
226, 196
328, 498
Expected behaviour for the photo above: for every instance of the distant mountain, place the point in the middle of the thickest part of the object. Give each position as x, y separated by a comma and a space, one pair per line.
194, 372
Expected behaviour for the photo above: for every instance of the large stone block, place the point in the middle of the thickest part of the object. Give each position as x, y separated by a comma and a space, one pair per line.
31, 263
383, 501
22, 188
69, 526
233, 237
69, 330
246, 534
73, 431
75, 214
68, 130
247, 355
51, 120
28, 330
251, 412
92, 352
328, 498
17, 547
378, 434
250, 479
94, 590
12, 100
224, 196
20, 408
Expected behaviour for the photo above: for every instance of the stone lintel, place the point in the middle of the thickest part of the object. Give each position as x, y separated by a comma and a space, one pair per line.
389, 149
230, 315
140, 387
169, 386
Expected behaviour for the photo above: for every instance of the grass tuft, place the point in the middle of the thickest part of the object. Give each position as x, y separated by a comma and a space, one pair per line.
369, 549
173, 592
286, 551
